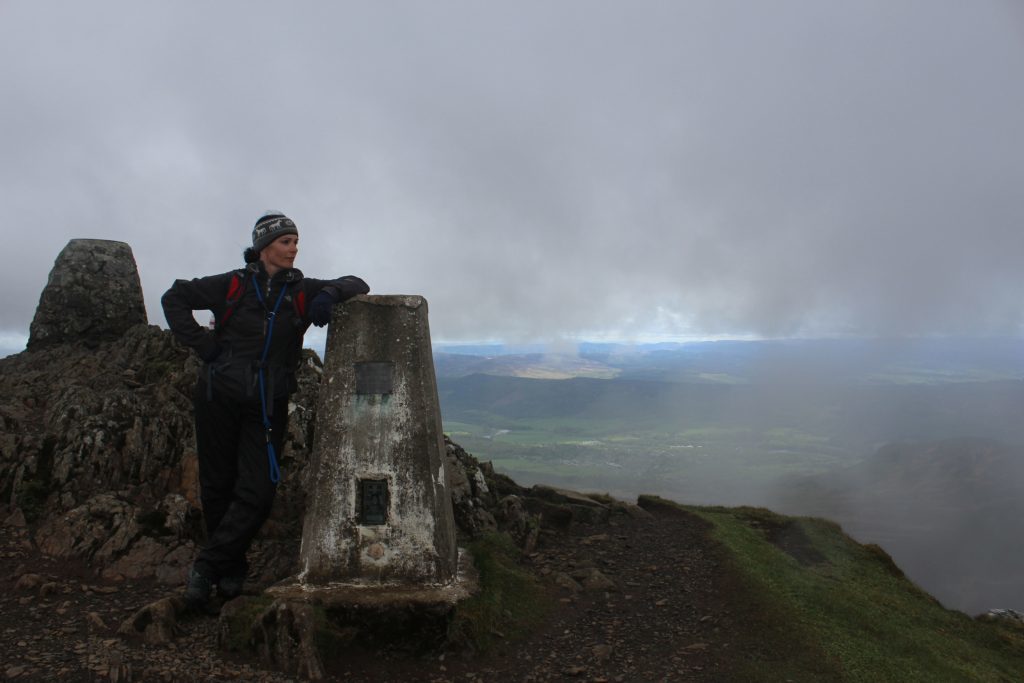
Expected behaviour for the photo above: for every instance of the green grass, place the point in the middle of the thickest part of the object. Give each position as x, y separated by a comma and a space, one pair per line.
717, 433
495, 433
510, 601
685, 464
526, 466
699, 463
550, 430
786, 437
827, 608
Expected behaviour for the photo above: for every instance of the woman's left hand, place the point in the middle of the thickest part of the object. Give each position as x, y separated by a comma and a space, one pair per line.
320, 309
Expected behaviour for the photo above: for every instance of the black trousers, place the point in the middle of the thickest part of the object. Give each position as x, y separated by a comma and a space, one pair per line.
234, 477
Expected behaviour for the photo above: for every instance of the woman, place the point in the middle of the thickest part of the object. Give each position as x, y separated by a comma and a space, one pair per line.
241, 398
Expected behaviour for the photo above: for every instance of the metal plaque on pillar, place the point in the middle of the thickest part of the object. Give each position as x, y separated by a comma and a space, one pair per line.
373, 502
374, 378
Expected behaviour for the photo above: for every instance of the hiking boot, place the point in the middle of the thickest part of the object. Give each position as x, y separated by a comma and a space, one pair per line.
197, 590
230, 587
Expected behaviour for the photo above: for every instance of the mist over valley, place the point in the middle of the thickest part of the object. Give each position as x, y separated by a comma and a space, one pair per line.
911, 444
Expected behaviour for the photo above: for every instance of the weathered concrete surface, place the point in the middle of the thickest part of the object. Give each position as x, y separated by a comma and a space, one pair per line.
379, 423
299, 628
360, 595
93, 295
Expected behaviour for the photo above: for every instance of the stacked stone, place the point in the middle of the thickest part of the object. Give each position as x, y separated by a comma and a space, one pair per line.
93, 295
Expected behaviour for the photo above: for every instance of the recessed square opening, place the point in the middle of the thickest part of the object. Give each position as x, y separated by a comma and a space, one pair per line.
374, 377
373, 502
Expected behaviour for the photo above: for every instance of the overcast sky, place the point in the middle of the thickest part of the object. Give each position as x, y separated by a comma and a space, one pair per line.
538, 170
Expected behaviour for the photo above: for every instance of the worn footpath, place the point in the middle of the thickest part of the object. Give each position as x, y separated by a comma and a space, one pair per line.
637, 599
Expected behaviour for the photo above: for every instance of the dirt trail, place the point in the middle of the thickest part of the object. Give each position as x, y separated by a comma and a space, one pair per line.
667, 615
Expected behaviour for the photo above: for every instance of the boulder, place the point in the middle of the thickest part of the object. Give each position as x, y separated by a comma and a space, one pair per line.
100, 529
156, 623
593, 580
93, 295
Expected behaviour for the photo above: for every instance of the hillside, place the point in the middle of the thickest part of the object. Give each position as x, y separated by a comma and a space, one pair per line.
944, 509
848, 611
839, 451
610, 592
840, 361
96, 459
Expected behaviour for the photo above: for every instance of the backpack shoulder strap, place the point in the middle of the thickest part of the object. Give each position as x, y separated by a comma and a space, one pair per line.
236, 289
299, 301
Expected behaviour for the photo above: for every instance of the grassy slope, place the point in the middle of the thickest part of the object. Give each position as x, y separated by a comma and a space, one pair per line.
824, 607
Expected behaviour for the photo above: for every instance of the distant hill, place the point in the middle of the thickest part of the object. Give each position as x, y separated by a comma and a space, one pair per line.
944, 499
534, 365
862, 414
835, 361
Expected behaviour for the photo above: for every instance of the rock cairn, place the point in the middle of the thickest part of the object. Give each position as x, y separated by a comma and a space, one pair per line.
93, 295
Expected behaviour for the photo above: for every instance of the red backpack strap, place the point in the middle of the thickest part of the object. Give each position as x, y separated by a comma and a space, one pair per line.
300, 303
236, 288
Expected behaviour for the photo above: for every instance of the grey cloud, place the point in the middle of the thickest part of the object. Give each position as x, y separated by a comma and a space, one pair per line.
543, 169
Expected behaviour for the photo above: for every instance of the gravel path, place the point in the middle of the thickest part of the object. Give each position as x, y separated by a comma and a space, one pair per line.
641, 600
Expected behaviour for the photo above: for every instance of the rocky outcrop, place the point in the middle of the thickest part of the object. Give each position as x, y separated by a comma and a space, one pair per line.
97, 449
1007, 616
472, 499
97, 445
93, 295
484, 500
111, 420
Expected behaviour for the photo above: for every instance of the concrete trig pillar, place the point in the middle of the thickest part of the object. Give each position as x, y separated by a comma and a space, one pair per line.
379, 508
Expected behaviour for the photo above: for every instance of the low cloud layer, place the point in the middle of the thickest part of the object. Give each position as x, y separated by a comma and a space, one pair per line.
539, 170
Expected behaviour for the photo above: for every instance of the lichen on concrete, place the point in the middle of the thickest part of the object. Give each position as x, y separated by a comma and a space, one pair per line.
394, 436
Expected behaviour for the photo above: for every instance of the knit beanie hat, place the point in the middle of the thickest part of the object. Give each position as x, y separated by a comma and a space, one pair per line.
269, 227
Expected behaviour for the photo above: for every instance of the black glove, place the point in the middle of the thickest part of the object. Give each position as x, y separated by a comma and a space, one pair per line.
209, 349
320, 309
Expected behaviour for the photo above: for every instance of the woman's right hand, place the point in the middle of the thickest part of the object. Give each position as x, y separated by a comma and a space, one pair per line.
209, 350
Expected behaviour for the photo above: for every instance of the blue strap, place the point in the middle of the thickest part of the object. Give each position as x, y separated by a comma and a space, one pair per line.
275, 472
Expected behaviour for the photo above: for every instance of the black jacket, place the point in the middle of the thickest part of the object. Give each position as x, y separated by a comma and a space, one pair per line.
232, 351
